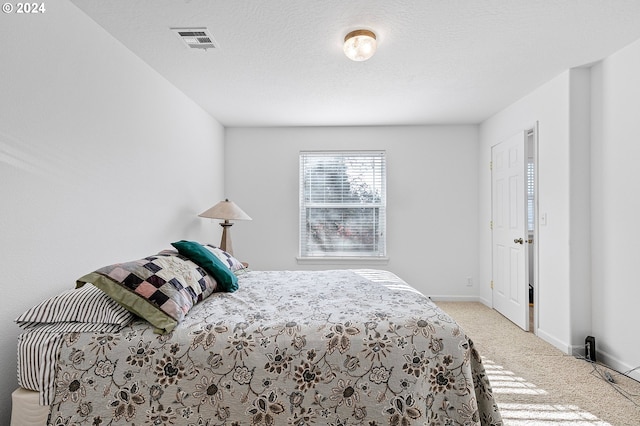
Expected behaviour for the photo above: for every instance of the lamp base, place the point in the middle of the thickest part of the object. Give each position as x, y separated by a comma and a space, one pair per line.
225, 242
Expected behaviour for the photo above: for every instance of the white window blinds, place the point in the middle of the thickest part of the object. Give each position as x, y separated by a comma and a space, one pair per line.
342, 204
530, 197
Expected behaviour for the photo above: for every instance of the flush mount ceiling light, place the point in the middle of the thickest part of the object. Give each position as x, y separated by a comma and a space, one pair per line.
360, 45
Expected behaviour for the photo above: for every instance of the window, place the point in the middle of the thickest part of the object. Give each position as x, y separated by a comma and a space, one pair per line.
342, 204
530, 196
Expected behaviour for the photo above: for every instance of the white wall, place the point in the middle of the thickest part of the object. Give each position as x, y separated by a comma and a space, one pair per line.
432, 199
590, 191
615, 207
579, 207
101, 160
549, 106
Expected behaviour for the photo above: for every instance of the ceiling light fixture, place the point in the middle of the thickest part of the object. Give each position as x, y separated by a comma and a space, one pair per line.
360, 45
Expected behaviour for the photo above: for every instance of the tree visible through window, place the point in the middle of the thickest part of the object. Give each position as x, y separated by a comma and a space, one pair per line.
342, 204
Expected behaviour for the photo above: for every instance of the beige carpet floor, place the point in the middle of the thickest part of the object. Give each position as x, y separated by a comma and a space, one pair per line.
536, 384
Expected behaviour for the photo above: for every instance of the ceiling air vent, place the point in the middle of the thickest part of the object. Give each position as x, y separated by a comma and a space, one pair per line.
196, 38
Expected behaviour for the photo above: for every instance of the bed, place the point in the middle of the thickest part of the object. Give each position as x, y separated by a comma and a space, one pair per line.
337, 347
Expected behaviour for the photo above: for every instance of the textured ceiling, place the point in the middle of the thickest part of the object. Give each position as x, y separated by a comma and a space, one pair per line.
280, 62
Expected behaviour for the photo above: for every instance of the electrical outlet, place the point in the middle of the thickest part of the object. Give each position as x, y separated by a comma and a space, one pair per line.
469, 282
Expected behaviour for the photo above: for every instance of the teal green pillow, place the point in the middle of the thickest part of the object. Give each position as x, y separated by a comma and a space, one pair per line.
202, 257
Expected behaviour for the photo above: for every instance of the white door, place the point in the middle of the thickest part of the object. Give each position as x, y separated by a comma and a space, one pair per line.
510, 260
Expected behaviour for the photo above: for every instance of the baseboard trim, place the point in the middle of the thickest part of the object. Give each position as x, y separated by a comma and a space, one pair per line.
614, 363
559, 344
578, 351
485, 302
455, 298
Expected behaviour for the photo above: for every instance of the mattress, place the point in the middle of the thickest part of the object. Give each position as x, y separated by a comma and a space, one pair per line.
288, 347
26, 410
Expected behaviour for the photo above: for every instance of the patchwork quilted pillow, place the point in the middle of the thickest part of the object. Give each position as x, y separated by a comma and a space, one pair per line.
160, 288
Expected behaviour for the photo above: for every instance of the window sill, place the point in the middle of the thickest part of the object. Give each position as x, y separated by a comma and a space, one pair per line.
341, 260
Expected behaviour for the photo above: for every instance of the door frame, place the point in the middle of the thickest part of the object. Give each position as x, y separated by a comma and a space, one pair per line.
532, 138
534, 132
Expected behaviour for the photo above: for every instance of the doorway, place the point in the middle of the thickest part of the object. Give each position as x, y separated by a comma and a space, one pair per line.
514, 233
531, 224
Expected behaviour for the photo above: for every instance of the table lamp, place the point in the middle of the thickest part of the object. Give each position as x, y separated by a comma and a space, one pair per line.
226, 210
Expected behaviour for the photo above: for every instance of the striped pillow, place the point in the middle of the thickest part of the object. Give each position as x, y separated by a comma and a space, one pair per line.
87, 304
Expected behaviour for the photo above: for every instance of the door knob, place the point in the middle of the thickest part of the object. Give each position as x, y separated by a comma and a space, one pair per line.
518, 241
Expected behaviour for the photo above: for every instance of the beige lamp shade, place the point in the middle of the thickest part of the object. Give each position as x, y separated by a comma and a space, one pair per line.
225, 210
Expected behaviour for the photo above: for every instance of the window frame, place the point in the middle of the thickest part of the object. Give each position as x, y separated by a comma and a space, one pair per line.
380, 253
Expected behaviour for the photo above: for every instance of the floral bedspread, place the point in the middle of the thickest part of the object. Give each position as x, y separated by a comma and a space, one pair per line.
288, 348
